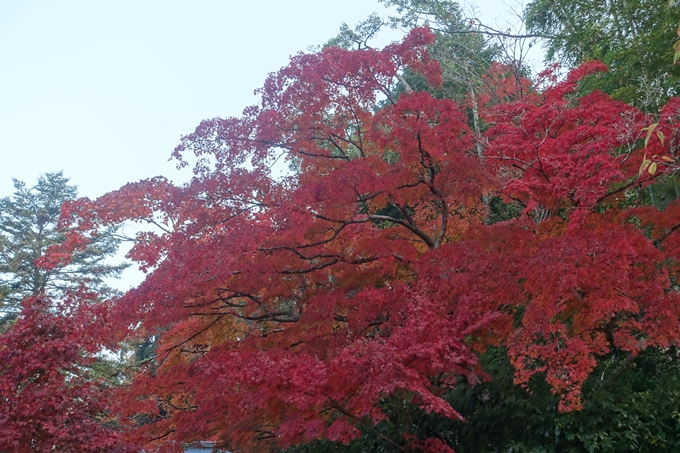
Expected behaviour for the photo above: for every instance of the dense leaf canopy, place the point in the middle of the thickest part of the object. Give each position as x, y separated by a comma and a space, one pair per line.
634, 38
50, 400
290, 306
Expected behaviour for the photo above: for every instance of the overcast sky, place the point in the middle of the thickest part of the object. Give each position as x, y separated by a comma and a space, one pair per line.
103, 90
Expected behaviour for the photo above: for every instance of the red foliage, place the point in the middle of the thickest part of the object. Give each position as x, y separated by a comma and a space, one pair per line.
48, 404
288, 308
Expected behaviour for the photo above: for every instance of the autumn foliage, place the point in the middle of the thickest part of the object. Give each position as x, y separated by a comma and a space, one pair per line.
49, 400
288, 305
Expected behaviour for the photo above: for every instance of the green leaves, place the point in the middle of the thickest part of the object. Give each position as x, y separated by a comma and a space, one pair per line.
30, 228
676, 47
633, 38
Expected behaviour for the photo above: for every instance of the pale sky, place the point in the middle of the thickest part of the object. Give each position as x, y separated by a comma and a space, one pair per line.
103, 90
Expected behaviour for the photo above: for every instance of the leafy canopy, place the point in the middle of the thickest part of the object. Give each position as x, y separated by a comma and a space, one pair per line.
634, 38
290, 309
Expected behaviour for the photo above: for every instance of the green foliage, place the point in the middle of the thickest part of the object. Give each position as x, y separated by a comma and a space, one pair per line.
463, 54
629, 406
500, 211
28, 227
662, 193
634, 38
359, 37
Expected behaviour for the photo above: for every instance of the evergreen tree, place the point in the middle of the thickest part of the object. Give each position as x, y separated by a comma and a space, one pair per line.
634, 38
29, 225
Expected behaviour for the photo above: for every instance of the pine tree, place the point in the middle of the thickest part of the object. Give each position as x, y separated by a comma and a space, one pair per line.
29, 225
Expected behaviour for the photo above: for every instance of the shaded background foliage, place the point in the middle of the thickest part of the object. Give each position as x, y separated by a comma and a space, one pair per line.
629, 406
634, 38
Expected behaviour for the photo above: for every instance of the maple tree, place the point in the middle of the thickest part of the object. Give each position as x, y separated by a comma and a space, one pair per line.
50, 400
289, 307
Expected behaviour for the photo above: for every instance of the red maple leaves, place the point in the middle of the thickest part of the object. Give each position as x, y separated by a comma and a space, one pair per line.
287, 308
49, 402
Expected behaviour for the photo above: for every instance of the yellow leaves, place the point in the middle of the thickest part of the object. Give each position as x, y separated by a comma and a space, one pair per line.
649, 165
660, 135
645, 165
652, 168
649, 130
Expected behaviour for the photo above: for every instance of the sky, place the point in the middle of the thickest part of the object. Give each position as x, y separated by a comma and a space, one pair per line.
103, 90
